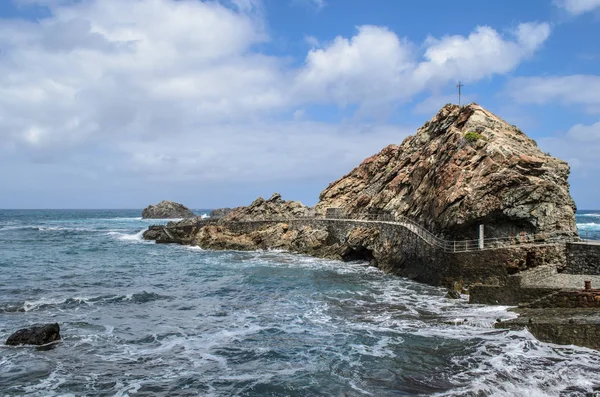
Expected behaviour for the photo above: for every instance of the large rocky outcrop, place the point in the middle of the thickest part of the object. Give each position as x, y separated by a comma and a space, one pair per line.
273, 208
167, 210
464, 167
220, 212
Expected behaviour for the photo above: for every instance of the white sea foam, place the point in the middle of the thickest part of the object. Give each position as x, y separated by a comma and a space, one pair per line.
125, 219
588, 225
20, 227
133, 237
518, 365
65, 229
193, 248
594, 215
136, 237
380, 349
33, 305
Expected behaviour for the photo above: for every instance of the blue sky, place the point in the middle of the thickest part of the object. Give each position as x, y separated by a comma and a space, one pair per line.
122, 103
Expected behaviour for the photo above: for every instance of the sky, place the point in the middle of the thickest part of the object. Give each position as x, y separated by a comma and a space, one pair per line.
123, 103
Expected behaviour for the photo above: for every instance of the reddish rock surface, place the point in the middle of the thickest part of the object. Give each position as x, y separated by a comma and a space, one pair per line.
464, 167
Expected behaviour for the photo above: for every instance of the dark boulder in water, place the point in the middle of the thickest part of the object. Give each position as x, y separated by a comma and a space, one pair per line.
35, 335
452, 294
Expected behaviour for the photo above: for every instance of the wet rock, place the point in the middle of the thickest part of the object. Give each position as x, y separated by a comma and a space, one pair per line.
166, 210
452, 294
563, 326
35, 335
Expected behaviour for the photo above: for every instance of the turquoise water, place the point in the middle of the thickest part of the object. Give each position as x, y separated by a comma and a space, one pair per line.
140, 319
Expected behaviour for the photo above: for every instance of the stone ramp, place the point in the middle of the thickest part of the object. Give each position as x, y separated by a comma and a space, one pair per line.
531, 285
548, 277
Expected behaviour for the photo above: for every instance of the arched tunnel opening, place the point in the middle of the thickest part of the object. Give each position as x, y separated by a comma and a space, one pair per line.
358, 253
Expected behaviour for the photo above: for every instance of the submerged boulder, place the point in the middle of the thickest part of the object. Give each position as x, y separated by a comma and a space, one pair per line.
167, 210
35, 335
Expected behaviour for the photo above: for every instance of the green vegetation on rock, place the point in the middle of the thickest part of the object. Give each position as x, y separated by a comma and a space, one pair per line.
473, 136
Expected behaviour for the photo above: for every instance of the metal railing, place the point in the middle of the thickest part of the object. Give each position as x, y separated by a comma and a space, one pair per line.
464, 245
453, 246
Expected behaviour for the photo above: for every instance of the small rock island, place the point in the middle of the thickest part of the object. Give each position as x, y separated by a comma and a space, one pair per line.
167, 210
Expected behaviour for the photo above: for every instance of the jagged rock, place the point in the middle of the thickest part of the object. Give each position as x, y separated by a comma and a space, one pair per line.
278, 236
166, 210
220, 212
273, 208
35, 335
464, 167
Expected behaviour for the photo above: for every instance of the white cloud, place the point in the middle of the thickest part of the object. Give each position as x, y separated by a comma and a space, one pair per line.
432, 104
483, 53
375, 66
368, 66
292, 150
312, 41
318, 5
180, 89
577, 7
571, 90
585, 133
579, 146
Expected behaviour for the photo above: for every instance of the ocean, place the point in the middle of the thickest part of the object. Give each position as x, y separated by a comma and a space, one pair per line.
140, 319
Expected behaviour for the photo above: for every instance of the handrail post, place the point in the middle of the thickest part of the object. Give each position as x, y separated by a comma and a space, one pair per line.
481, 237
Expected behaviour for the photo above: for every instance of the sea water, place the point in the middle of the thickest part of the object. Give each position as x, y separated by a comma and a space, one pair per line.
141, 319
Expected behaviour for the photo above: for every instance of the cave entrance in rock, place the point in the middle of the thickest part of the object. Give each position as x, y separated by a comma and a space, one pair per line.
358, 253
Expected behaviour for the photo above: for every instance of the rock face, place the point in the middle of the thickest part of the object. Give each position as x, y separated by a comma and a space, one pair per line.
220, 212
464, 167
167, 210
273, 208
36, 335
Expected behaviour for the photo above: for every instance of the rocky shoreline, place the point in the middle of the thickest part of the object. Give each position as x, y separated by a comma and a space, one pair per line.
415, 209
562, 326
464, 168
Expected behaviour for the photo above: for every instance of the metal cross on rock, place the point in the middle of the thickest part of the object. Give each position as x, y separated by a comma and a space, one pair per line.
459, 86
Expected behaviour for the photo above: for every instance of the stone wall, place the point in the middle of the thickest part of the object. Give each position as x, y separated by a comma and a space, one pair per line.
510, 295
569, 299
562, 333
582, 258
395, 249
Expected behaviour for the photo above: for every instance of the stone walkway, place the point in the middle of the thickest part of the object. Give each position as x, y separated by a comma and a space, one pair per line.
548, 277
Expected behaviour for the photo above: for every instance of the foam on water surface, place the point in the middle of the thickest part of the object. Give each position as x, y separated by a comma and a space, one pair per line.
147, 319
